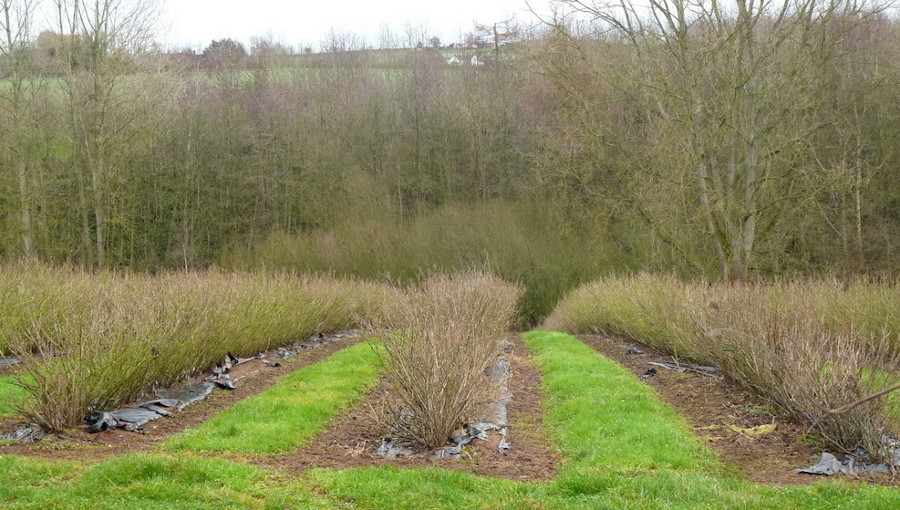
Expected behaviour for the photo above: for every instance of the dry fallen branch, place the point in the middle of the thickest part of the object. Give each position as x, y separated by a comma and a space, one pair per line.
853, 405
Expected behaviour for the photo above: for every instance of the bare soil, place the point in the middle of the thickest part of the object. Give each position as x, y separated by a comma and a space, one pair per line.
716, 410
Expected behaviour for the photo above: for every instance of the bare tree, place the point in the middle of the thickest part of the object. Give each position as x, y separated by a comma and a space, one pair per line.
728, 92
103, 38
500, 33
16, 18
417, 34
387, 39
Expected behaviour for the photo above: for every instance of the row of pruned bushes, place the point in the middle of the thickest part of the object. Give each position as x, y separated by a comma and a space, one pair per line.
805, 346
96, 341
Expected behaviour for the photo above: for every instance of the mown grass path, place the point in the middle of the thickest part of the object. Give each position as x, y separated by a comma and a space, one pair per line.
290, 413
622, 449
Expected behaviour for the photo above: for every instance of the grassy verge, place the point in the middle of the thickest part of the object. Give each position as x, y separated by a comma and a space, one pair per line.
289, 414
806, 346
604, 418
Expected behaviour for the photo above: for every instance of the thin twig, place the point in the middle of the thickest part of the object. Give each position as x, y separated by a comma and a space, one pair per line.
853, 405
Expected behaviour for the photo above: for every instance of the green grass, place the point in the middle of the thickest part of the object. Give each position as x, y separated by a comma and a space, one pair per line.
10, 394
604, 416
147, 482
290, 413
773, 339
621, 447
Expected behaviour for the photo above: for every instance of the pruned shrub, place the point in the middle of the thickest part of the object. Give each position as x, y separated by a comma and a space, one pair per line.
806, 373
442, 336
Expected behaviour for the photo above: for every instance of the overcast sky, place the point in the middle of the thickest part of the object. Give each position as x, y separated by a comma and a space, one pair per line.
195, 23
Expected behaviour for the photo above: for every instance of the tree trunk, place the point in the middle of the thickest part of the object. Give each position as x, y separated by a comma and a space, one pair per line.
714, 230
25, 205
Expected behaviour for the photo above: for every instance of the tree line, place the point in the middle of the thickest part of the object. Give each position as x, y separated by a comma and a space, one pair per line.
711, 140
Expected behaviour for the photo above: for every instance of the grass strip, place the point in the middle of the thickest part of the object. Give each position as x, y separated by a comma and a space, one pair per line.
290, 413
603, 417
805, 346
147, 482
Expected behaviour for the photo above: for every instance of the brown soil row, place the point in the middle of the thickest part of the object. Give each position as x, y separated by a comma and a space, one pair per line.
717, 411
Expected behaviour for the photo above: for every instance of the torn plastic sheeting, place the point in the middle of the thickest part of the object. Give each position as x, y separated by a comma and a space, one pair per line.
230, 361
479, 430
500, 372
30, 433
98, 422
188, 394
165, 402
134, 418
632, 349
131, 419
474, 431
447, 452
8, 362
313, 342
504, 444
829, 465
225, 384
321, 339
391, 450
685, 367
158, 410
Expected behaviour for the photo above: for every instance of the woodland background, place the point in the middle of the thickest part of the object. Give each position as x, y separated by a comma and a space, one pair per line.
747, 141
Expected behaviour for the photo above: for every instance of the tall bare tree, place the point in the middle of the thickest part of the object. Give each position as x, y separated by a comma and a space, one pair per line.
16, 20
728, 92
102, 40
